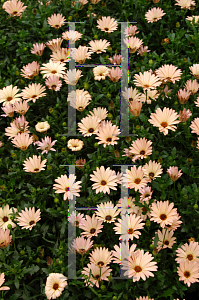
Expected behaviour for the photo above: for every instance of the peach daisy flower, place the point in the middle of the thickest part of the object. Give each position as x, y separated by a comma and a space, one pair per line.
61, 55
9, 110
174, 174
126, 205
128, 227
72, 76
133, 43
122, 253
163, 213
131, 30
145, 193
191, 19
5, 219
192, 86
146, 298
107, 133
82, 245
105, 179
76, 220
134, 178
116, 60
188, 272
168, 73
75, 144
183, 96
164, 120
100, 72
80, 163
152, 170
68, 186
141, 148
71, 36
2, 280
147, 80
14, 8
46, 144
100, 112
154, 14
21, 107
53, 83
22, 141
79, 99
175, 224
188, 252
80, 54
56, 21
55, 44
53, 68
42, 126
81, 3
115, 74
9, 95
55, 284
97, 274
140, 266
196, 102
195, 70
34, 165
89, 125
107, 212
28, 218
30, 70
165, 239
185, 4
92, 226
33, 92
19, 125
99, 46
100, 257
143, 50
148, 95
5, 239
107, 24
131, 94
38, 49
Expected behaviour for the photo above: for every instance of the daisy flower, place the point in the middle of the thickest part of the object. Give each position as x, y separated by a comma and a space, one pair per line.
28, 218
9, 110
14, 8
133, 43
195, 70
33, 92
175, 224
89, 125
79, 99
122, 253
9, 95
76, 220
154, 14
164, 120
56, 21
5, 239
75, 144
80, 163
72, 76
183, 96
143, 50
71, 36
145, 193
131, 94
30, 70
188, 272
100, 257
100, 72
165, 239
53, 83
168, 73
188, 252
115, 74
126, 205
5, 219
99, 46
100, 112
147, 96
22, 141
195, 126
192, 86
38, 49
107, 24
174, 174
2, 280
68, 186
34, 165
97, 274
135, 108
185, 4
105, 179
42, 126
82, 245
163, 213
191, 19
141, 148
53, 68
61, 55
46, 144
116, 60
152, 170
80, 54
128, 227
107, 212
55, 284
55, 44
147, 80
140, 266
135, 179
21, 107
92, 226
107, 133
131, 30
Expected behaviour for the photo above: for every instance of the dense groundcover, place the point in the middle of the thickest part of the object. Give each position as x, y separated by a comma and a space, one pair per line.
99, 166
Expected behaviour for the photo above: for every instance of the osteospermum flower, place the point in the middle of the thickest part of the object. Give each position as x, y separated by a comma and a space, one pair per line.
174, 173
107, 133
14, 8
89, 125
188, 272
131, 94
107, 212
193, 17
140, 265
100, 72
5, 239
76, 220
46, 144
33, 92
80, 54
163, 213
152, 170
134, 178
184, 4
128, 227
38, 49
68, 186
126, 205
79, 99
9, 110
55, 44
135, 108
169, 73
42, 126
192, 86
53, 83
72, 76
105, 179
56, 21
34, 165
143, 50
133, 43
61, 55
2, 280
97, 274
115, 74
80, 163
21, 107
99, 46
147, 80
154, 14
53, 68
100, 112
188, 252
71, 36
91, 226
116, 60
141, 148
147, 96
122, 253
55, 284
75, 144
100, 257
9, 95
82, 245
30, 70
28, 218
183, 96
5, 214
164, 120
22, 141
165, 239
131, 30
195, 70
145, 193
107, 24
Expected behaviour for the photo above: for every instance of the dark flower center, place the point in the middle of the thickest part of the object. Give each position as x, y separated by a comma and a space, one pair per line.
92, 230
144, 209
56, 26
77, 223
186, 274
9, 98
34, 96
90, 130
142, 152
55, 286
108, 218
147, 195
100, 263
190, 257
164, 124
163, 217
106, 29
53, 86
31, 222
166, 243
62, 60
151, 174
130, 99
97, 277
67, 189
130, 231
36, 170
109, 139
138, 269
5, 219
53, 72
103, 182
137, 180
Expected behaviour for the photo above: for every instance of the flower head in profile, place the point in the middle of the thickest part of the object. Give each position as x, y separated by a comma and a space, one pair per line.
53, 83
5, 239
195, 126
5, 214
82, 245
183, 95
38, 49
107, 133
14, 8
97, 274
100, 72
147, 80
9, 110
22, 141
55, 44
131, 30
133, 44
42, 126
135, 178
2, 280
107, 24
28, 218
9, 95
115, 74
152, 170
80, 163
55, 284
105, 179
34, 165
169, 73
143, 50
100, 112
56, 21
165, 239
91, 226
71, 36
68, 186
80, 54
131, 94
21, 107
154, 14
60, 56
46, 144
75, 144
116, 60
185, 4
163, 213
192, 86
145, 193
174, 173
33, 92
99, 46
30, 70
79, 99
76, 220
72, 76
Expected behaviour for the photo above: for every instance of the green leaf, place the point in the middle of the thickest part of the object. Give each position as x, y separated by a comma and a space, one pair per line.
16, 282
167, 293
156, 239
